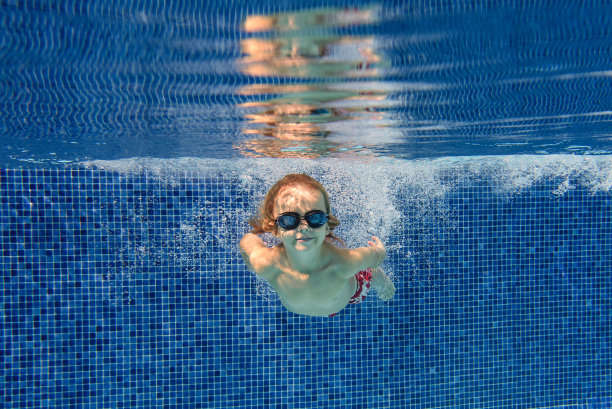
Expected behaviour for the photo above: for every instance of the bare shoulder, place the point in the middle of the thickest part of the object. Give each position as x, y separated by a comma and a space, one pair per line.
342, 259
266, 262
347, 255
260, 258
350, 261
339, 254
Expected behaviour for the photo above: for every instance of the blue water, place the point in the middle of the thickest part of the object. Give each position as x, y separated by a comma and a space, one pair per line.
472, 137
86, 81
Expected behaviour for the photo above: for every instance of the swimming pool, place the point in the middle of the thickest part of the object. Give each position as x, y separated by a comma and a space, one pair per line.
138, 140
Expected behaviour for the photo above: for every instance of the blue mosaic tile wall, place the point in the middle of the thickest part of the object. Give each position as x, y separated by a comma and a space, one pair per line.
128, 291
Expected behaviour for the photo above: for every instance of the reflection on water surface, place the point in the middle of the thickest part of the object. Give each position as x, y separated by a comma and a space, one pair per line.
111, 80
326, 99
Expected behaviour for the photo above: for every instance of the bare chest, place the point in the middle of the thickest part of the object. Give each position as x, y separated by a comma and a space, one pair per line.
320, 288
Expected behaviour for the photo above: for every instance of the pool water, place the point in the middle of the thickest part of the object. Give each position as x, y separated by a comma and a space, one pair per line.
419, 79
473, 138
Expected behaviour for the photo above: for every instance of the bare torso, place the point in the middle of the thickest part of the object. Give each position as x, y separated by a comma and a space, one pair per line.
319, 281
317, 293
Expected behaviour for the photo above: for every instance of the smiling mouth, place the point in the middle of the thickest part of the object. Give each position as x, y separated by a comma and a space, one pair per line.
303, 239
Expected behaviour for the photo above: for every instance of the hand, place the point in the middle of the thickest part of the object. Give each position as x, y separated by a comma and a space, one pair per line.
379, 250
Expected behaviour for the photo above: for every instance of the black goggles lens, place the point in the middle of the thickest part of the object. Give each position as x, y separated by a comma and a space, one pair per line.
290, 221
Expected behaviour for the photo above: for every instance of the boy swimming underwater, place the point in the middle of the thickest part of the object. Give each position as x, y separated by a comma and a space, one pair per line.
310, 273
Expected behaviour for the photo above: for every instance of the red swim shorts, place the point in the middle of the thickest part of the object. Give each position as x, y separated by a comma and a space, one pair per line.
364, 277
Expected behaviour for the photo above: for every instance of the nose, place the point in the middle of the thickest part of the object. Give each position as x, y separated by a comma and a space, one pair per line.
303, 225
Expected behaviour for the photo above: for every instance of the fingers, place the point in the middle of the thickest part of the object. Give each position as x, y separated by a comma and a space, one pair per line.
375, 242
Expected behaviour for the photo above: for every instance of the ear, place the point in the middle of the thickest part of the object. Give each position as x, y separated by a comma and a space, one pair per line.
271, 227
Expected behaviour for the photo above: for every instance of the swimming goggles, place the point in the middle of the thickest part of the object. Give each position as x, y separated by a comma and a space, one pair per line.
290, 221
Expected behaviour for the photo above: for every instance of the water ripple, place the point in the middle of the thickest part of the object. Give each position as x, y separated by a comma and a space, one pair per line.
91, 80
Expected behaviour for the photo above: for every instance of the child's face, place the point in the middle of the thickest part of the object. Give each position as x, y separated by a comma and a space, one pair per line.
301, 200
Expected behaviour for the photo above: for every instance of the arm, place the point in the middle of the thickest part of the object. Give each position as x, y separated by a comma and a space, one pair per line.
258, 257
364, 257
